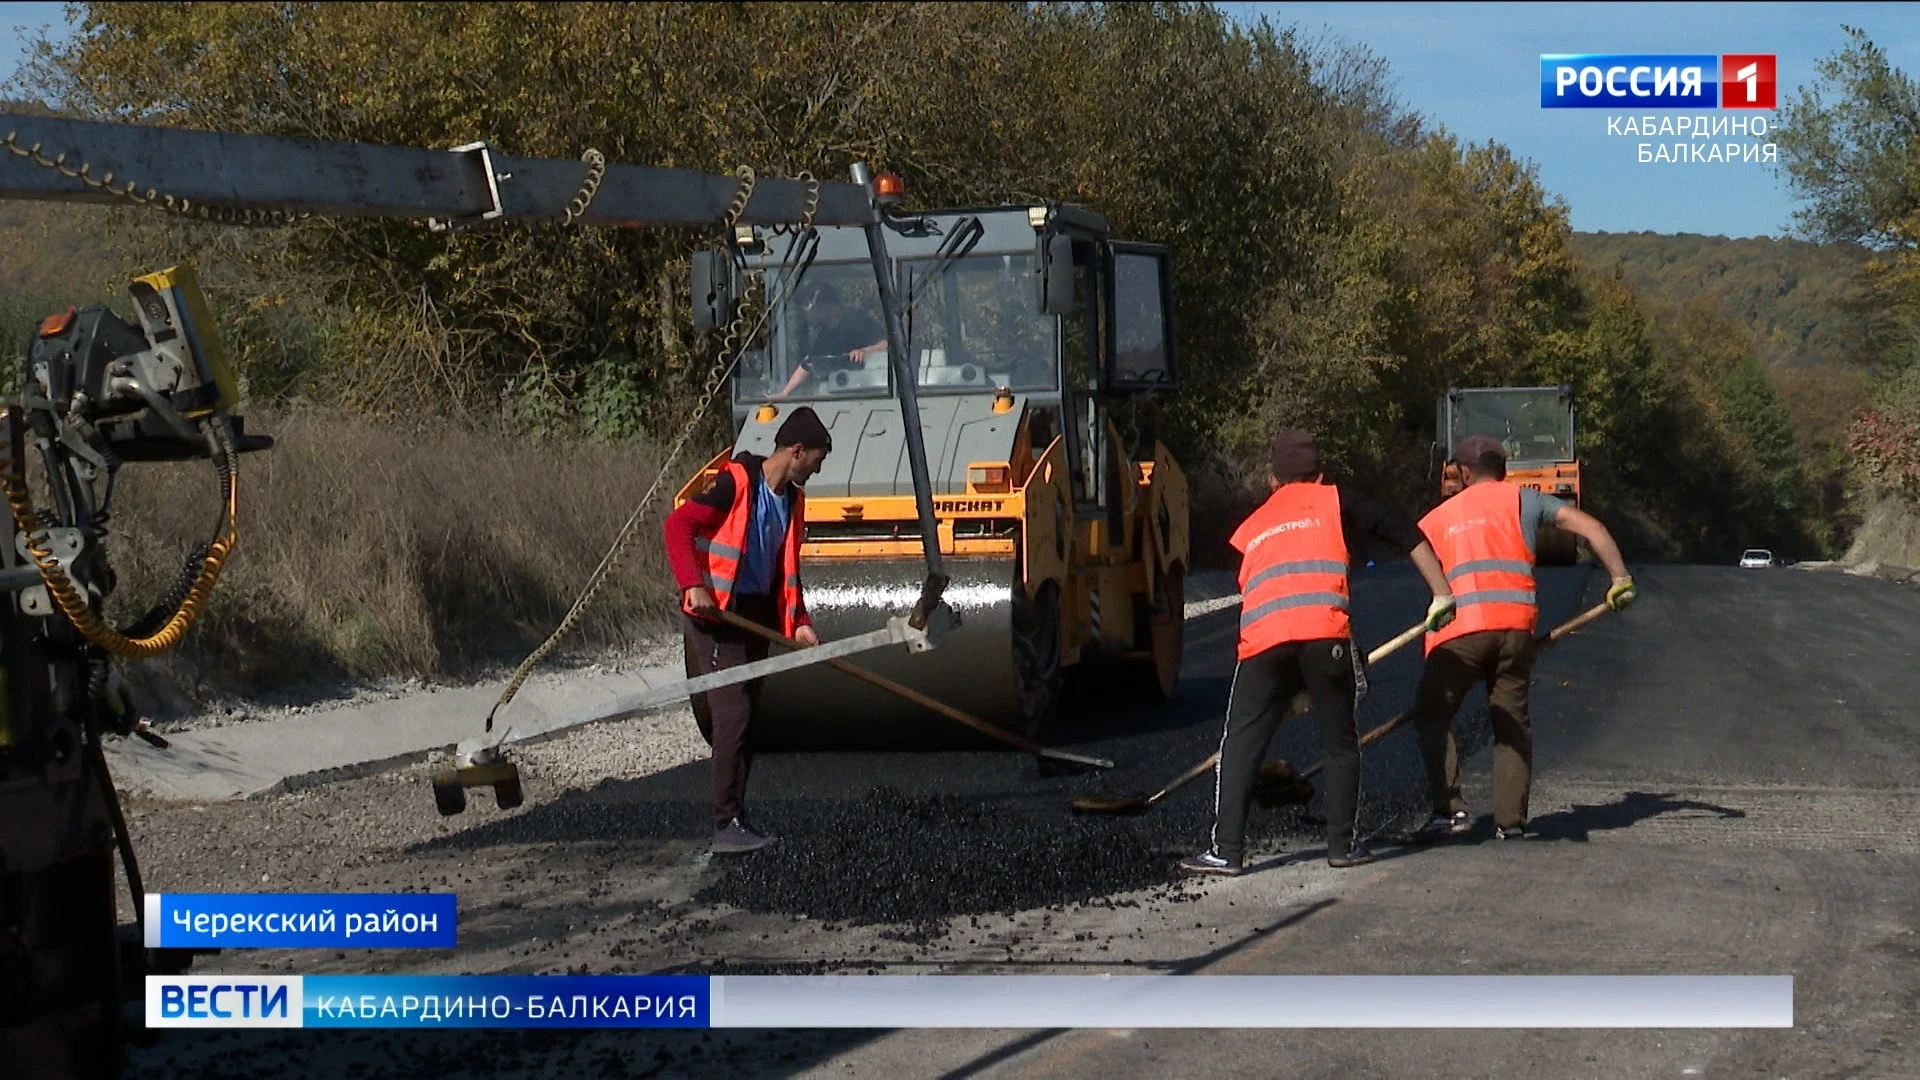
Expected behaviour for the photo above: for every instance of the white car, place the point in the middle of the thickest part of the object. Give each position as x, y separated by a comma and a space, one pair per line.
1754, 558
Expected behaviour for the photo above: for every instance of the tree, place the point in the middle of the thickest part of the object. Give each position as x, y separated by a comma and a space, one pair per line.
1851, 144
1847, 145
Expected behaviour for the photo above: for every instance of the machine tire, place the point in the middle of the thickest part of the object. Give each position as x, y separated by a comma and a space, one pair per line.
448, 796
702, 713
508, 794
1164, 635
1036, 646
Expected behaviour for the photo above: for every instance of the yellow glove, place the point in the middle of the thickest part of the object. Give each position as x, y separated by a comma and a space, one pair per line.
1624, 592
1440, 612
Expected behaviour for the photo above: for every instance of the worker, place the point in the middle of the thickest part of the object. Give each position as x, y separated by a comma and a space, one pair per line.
1485, 538
1295, 633
736, 547
837, 338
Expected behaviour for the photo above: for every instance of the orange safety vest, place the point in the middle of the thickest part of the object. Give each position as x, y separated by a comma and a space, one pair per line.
1293, 569
1478, 538
720, 554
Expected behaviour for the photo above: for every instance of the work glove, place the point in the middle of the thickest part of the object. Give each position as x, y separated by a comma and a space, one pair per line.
1624, 592
1440, 612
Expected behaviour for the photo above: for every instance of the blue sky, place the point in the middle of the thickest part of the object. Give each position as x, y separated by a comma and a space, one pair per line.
1474, 68
14, 44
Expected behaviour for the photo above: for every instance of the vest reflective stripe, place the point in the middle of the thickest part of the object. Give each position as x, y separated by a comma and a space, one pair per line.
720, 554
1284, 603
1308, 566
1293, 570
1496, 596
1477, 566
1483, 551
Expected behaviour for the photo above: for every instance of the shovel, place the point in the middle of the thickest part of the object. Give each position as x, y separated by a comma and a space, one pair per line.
1088, 804
1276, 784
948, 711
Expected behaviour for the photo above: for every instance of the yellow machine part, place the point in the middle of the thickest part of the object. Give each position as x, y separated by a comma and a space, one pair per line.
179, 289
1040, 589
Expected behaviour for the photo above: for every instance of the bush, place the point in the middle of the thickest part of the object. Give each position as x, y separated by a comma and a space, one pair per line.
368, 550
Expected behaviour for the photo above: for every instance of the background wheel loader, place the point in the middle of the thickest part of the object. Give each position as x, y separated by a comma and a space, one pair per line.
1027, 326
1536, 425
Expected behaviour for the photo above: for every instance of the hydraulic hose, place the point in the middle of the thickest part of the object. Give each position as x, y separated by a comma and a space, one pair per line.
73, 602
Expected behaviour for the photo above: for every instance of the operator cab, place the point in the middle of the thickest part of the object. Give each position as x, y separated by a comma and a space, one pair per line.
1535, 424
1006, 311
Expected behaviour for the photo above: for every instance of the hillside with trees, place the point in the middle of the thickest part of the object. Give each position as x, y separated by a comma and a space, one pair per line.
1801, 302
1851, 147
1391, 260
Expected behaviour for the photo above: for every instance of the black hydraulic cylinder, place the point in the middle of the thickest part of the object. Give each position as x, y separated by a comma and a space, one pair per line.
907, 379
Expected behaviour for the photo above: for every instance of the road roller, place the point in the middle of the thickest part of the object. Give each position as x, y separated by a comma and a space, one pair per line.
1536, 426
1064, 545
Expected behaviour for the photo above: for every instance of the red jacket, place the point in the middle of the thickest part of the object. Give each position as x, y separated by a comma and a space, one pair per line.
702, 516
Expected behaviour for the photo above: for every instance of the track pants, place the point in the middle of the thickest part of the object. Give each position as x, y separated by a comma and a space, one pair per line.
1503, 659
716, 646
1263, 689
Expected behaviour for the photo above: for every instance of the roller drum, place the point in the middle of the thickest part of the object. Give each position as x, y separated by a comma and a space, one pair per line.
975, 669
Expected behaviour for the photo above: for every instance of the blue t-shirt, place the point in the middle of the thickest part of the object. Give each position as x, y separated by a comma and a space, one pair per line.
766, 528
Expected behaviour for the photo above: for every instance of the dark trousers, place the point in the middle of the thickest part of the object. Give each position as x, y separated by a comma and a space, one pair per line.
1264, 686
1503, 659
716, 646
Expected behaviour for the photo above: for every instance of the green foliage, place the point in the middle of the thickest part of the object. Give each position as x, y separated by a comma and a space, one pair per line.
1338, 264
1851, 146
1847, 147
1758, 414
1799, 302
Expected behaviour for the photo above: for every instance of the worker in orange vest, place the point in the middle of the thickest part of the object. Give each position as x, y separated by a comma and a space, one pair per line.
1485, 537
1295, 633
736, 547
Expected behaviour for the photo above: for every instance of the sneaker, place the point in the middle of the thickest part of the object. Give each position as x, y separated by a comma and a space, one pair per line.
737, 839
1511, 832
1209, 862
1441, 826
1357, 855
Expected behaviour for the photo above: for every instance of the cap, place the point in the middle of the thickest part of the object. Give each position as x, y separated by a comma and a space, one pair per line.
804, 428
1481, 452
1295, 454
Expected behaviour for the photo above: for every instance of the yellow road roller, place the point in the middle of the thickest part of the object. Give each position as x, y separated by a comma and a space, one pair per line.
1063, 546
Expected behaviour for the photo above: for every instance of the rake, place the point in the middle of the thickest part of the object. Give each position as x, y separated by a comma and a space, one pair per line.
1138, 804
1277, 783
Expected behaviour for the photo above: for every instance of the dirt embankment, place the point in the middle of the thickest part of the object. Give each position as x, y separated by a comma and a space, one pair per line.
1887, 544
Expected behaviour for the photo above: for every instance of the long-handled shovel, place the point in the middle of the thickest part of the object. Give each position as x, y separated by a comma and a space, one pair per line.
1276, 784
948, 711
1135, 804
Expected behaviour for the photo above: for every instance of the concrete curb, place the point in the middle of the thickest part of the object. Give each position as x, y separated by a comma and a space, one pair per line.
263, 758
266, 757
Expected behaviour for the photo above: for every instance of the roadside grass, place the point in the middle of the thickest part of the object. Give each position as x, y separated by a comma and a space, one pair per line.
368, 551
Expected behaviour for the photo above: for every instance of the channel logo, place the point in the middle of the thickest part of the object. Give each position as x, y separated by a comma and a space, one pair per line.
224, 1001
1657, 81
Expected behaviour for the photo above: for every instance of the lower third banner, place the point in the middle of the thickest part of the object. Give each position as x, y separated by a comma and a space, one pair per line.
970, 1001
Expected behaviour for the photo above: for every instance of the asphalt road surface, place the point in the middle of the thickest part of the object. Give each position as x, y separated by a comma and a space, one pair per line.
1728, 782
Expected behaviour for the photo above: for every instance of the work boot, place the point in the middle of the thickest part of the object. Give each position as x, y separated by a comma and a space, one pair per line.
1441, 826
1210, 862
1356, 854
737, 839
